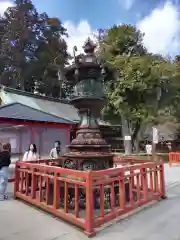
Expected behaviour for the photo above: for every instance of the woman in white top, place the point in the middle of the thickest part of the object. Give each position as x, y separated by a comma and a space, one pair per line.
31, 154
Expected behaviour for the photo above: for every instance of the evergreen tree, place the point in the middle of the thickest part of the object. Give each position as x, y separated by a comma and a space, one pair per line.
2, 32
32, 50
52, 56
19, 44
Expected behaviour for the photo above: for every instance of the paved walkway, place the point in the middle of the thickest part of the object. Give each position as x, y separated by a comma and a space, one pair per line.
160, 221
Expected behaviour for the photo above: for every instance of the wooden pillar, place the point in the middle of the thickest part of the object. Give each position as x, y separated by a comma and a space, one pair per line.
40, 141
32, 135
68, 135
20, 144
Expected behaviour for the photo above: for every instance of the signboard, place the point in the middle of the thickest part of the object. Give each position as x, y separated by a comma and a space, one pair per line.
149, 149
127, 138
155, 135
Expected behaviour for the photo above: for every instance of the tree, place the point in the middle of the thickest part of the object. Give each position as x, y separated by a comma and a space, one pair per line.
19, 43
52, 56
174, 91
142, 91
123, 40
33, 50
136, 87
3, 23
120, 40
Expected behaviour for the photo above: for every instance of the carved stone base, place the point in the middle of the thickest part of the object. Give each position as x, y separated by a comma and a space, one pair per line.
90, 163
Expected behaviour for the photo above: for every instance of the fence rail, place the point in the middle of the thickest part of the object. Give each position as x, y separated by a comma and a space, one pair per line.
89, 199
174, 157
40, 161
118, 162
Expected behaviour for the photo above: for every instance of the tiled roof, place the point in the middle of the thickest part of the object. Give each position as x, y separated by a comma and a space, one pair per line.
56, 108
23, 112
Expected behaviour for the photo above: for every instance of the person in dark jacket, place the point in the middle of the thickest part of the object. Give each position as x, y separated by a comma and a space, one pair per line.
5, 161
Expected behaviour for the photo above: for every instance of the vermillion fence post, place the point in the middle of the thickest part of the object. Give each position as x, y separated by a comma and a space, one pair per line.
156, 183
89, 205
122, 193
56, 197
33, 183
162, 181
170, 156
144, 184
16, 183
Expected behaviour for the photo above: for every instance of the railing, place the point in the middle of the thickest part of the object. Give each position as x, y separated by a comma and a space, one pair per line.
89, 199
124, 161
140, 184
174, 157
40, 161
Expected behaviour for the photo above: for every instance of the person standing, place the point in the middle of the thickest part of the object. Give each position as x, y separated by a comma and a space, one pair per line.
5, 161
56, 151
31, 154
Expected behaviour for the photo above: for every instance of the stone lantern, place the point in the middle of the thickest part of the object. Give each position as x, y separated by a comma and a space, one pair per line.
88, 150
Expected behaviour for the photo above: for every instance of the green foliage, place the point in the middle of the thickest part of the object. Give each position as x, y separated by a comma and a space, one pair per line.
140, 88
51, 55
174, 91
120, 40
18, 43
32, 49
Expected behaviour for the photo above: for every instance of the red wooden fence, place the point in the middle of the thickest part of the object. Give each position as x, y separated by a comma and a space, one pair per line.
174, 157
118, 162
128, 160
41, 161
107, 193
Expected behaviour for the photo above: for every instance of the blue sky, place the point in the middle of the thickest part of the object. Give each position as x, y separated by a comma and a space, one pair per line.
99, 13
159, 19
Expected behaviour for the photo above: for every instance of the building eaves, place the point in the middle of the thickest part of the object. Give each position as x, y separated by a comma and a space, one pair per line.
21, 111
56, 107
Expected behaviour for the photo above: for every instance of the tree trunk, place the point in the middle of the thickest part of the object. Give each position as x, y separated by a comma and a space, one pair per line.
136, 145
135, 136
126, 132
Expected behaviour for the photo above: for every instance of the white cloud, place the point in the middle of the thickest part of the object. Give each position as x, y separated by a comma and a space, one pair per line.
126, 4
162, 30
78, 34
4, 5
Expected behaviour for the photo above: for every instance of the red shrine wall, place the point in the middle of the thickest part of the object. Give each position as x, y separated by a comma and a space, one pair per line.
44, 139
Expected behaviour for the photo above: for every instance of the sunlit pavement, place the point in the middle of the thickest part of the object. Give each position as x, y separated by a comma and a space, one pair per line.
172, 174
19, 221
